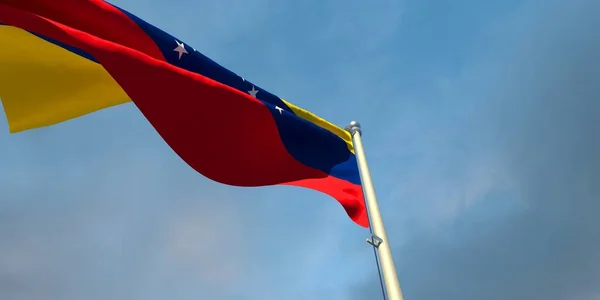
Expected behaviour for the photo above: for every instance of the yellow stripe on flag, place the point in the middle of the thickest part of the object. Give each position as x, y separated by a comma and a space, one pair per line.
343, 134
43, 84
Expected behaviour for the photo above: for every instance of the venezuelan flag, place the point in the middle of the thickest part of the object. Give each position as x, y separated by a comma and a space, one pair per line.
64, 59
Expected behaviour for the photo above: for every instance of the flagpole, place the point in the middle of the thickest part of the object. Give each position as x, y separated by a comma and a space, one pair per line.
379, 238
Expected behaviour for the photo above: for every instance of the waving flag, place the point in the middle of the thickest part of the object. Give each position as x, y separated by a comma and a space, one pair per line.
60, 60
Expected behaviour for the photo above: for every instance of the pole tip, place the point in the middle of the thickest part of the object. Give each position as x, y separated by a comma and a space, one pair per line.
354, 127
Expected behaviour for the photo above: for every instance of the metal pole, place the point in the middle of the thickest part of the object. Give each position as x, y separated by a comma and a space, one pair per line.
379, 239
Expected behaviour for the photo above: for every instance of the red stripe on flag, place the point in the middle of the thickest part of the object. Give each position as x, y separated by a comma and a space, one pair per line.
95, 17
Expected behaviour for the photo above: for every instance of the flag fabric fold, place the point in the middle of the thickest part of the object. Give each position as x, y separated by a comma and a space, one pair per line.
60, 60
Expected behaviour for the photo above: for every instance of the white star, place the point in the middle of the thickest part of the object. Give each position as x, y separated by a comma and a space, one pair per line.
253, 92
180, 49
279, 109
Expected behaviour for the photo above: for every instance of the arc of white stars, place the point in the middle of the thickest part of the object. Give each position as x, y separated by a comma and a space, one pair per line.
180, 49
279, 109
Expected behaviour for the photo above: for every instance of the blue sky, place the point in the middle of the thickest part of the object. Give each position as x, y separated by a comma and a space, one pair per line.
479, 118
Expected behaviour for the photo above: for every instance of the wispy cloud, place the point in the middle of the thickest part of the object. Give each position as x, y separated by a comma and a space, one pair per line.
527, 101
